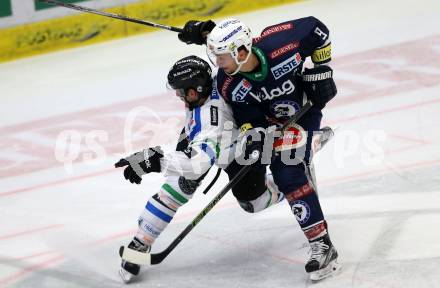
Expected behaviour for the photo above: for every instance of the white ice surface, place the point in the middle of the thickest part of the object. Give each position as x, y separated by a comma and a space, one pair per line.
379, 179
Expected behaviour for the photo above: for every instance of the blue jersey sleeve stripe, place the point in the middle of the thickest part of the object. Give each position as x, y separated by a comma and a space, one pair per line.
198, 125
208, 150
158, 213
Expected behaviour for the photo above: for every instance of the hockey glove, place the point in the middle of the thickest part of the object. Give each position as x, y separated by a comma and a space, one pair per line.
140, 163
319, 85
253, 139
196, 32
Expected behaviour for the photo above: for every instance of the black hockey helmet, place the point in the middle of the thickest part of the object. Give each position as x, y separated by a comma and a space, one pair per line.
191, 72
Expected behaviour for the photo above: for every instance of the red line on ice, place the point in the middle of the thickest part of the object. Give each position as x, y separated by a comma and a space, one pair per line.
30, 269
410, 139
58, 182
384, 80
337, 121
30, 231
337, 180
382, 112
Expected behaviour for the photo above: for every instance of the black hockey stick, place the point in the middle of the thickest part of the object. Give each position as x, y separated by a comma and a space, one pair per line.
156, 258
219, 170
296, 117
111, 15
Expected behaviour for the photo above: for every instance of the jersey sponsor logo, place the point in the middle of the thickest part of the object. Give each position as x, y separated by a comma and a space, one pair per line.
214, 93
284, 108
283, 50
240, 92
293, 138
301, 210
322, 55
233, 32
272, 30
147, 228
287, 66
214, 115
300, 193
315, 230
225, 86
286, 88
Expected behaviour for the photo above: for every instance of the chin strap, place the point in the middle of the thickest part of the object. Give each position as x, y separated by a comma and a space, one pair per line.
240, 64
236, 70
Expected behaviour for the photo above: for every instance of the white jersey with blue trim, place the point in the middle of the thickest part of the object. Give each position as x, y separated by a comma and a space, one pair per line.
211, 131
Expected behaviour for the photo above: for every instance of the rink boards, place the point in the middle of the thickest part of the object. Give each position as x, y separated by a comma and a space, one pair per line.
82, 29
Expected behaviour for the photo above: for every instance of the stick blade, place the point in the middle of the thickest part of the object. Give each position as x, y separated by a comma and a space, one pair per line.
133, 256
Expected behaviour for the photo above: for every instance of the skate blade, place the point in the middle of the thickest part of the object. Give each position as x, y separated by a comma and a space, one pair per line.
126, 276
332, 269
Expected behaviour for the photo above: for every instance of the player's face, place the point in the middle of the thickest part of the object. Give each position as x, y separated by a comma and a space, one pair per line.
226, 62
189, 95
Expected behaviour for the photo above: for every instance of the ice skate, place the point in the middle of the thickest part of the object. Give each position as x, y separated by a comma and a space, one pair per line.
129, 270
323, 261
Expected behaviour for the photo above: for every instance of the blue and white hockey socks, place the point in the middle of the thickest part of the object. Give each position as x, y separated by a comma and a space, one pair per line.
160, 210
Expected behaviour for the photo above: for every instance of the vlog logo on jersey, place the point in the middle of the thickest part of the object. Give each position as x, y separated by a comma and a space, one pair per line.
286, 88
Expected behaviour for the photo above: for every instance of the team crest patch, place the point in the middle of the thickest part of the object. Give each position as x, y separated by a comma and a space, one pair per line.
294, 137
240, 92
284, 108
301, 210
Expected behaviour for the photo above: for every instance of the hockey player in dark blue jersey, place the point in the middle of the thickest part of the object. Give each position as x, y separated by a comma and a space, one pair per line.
264, 81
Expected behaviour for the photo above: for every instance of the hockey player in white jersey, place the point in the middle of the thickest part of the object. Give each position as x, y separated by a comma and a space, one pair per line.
207, 139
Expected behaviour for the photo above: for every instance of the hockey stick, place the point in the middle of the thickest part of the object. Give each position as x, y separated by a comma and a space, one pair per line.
141, 258
156, 258
219, 170
296, 117
111, 15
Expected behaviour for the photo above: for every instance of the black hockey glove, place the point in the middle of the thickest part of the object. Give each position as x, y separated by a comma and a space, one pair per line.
140, 163
319, 85
196, 32
254, 142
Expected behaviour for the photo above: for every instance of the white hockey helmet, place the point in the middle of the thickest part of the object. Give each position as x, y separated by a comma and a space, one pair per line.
227, 37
